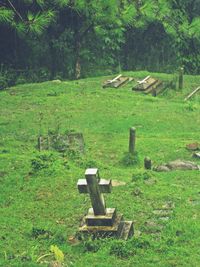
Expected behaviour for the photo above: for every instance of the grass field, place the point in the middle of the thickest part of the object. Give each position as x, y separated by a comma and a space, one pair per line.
39, 202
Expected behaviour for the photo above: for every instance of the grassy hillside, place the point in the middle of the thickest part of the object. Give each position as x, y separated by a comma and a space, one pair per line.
39, 202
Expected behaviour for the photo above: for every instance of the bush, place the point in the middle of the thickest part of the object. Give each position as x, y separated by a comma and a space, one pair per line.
141, 175
3, 82
7, 77
92, 245
190, 106
42, 161
21, 80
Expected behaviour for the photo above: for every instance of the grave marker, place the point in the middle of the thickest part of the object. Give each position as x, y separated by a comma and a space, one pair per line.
147, 163
62, 142
101, 220
117, 81
132, 140
180, 78
150, 85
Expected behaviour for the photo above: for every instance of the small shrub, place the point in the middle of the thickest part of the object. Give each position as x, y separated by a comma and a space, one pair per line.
139, 243
3, 82
40, 233
42, 161
74, 154
130, 159
44, 74
141, 175
190, 106
91, 245
7, 77
59, 142
59, 238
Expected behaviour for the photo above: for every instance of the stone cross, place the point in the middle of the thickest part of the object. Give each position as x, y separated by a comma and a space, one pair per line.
95, 186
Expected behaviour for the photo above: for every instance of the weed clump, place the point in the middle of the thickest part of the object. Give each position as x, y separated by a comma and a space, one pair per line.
122, 249
130, 159
47, 163
190, 106
141, 175
140, 244
91, 245
40, 233
42, 161
125, 249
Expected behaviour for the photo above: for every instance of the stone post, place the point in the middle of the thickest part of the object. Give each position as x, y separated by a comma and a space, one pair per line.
147, 163
132, 140
180, 78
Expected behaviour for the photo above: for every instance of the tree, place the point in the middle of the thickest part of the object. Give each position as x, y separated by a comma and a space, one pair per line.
99, 18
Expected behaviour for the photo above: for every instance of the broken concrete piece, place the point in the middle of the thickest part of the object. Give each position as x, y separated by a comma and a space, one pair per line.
182, 165
162, 212
196, 155
153, 227
177, 165
193, 146
162, 168
117, 183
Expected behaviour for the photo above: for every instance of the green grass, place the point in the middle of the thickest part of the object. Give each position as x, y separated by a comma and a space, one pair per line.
48, 199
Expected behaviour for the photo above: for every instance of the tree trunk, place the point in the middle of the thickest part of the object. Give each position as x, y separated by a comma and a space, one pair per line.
77, 71
78, 62
52, 60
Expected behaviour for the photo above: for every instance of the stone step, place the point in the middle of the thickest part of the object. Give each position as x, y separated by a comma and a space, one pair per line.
110, 230
127, 230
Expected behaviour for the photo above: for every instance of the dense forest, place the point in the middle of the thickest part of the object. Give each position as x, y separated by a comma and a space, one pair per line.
67, 39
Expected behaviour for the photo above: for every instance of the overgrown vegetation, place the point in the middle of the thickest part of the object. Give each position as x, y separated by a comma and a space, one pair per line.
40, 207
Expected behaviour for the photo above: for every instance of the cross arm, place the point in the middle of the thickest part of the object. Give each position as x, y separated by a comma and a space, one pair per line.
105, 186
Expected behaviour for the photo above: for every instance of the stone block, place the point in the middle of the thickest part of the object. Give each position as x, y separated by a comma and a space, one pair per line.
101, 220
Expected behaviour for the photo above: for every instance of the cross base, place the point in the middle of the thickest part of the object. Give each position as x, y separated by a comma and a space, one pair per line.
101, 220
111, 224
